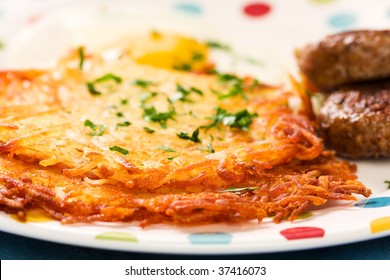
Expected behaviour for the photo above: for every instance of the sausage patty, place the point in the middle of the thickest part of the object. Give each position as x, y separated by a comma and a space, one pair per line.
345, 58
355, 120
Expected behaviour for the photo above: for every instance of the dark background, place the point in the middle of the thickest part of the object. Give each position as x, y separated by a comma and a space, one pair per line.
14, 247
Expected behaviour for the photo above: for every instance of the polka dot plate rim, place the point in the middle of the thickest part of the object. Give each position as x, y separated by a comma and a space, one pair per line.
338, 223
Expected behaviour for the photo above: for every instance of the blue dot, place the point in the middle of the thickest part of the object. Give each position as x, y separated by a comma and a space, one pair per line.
189, 8
376, 202
210, 238
342, 21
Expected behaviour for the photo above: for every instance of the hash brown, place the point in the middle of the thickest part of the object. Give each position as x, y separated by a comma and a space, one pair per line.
118, 141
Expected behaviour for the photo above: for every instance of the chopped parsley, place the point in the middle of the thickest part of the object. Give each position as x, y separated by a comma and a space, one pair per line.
151, 115
197, 56
123, 124
239, 190
194, 137
81, 57
119, 150
143, 83
218, 45
183, 67
146, 96
148, 130
236, 86
240, 120
183, 93
209, 145
234, 90
124, 101
228, 78
210, 148
119, 115
108, 77
171, 158
165, 148
97, 129
388, 183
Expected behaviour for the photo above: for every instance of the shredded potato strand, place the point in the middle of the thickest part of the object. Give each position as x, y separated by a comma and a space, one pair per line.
83, 156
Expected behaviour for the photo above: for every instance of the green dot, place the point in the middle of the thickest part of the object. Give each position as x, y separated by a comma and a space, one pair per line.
117, 236
304, 215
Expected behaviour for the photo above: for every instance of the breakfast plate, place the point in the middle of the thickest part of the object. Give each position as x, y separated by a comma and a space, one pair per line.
261, 36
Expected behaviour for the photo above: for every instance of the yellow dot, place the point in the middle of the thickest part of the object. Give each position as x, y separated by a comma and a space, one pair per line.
379, 225
35, 216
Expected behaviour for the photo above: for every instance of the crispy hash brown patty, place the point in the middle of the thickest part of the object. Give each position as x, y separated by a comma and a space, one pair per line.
355, 120
117, 141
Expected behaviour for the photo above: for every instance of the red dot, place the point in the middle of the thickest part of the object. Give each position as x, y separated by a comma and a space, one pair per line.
302, 233
257, 9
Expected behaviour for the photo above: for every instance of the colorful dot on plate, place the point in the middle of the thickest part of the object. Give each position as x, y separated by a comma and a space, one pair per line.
375, 202
117, 236
304, 215
322, 1
379, 225
189, 8
33, 19
2, 45
343, 20
210, 238
302, 233
257, 9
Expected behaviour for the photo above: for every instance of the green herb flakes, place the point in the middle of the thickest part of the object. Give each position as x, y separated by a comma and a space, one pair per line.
119, 150
151, 115
194, 137
97, 129
80, 51
183, 67
240, 190
148, 130
91, 86
123, 124
240, 120
143, 83
171, 158
218, 45
124, 101
182, 93
197, 56
165, 148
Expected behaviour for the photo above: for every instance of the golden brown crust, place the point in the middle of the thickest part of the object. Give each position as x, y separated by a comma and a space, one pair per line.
50, 159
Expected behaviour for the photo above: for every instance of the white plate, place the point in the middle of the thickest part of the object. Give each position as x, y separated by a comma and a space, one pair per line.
38, 32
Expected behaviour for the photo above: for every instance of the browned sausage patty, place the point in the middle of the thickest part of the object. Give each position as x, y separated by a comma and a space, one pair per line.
345, 58
355, 121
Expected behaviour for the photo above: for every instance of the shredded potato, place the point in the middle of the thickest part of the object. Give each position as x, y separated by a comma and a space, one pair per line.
119, 141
